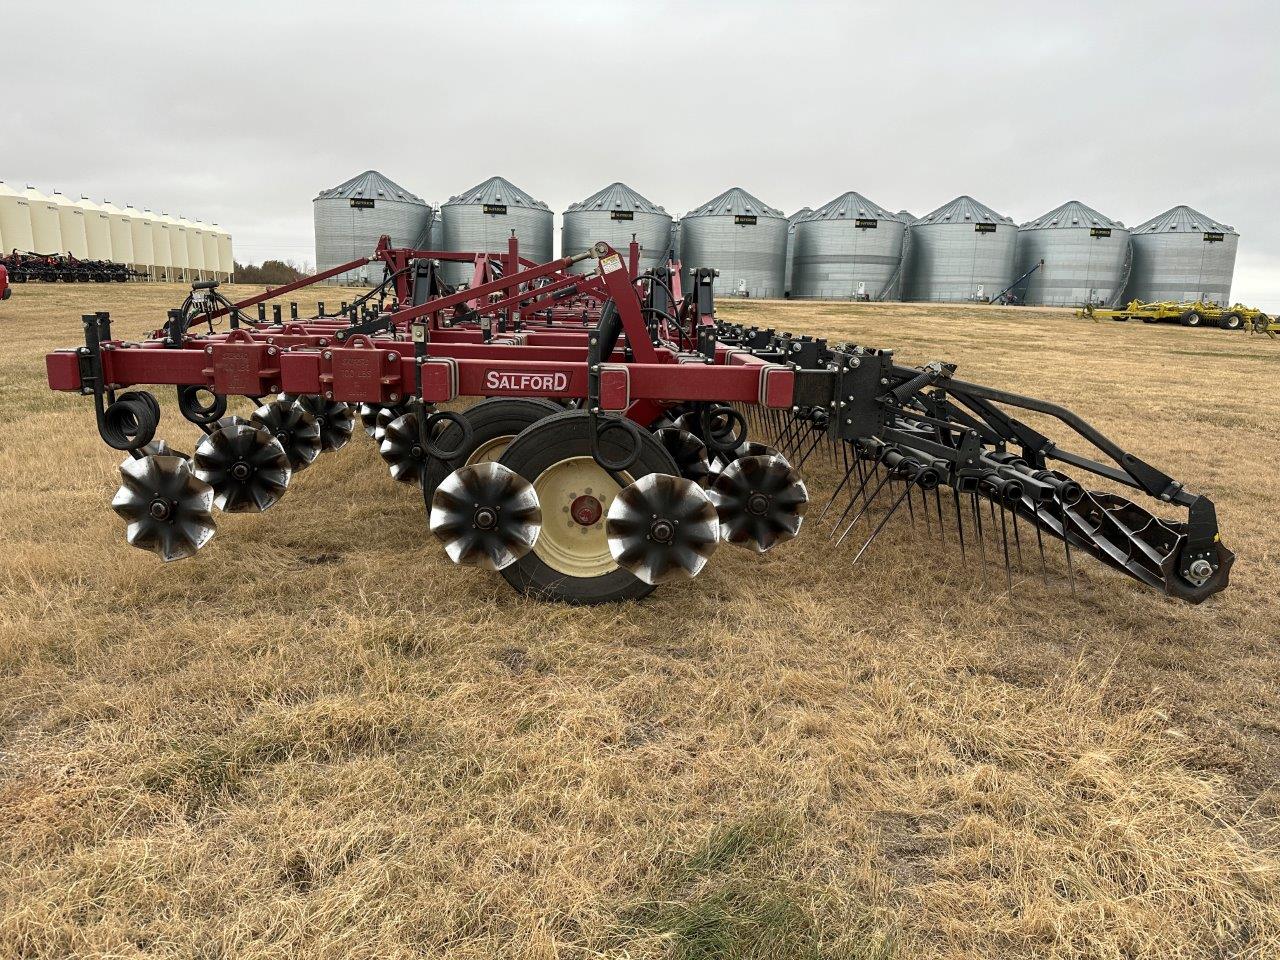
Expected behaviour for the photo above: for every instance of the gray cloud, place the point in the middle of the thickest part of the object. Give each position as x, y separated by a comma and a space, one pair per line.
240, 112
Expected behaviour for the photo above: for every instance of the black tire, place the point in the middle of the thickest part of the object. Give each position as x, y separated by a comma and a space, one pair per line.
1192, 318
1231, 321
490, 420
561, 438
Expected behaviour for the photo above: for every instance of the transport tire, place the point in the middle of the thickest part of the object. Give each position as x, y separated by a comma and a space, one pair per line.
1231, 321
494, 424
1192, 318
571, 562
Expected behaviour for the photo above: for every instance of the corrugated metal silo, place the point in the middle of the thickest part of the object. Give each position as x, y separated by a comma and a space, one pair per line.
906, 216
15, 221
351, 217
162, 247
1086, 258
142, 226
849, 248
744, 239
1183, 255
226, 258
71, 225
482, 219
120, 227
97, 229
614, 215
674, 244
960, 252
791, 246
46, 226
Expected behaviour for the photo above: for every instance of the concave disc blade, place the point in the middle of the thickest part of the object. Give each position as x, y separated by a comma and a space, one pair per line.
486, 515
385, 416
168, 510
297, 431
369, 418
760, 501
748, 448
402, 449
662, 528
334, 419
246, 466
689, 453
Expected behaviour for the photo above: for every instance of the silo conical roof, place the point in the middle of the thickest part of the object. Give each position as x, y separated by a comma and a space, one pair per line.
497, 190
799, 215
1072, 214
964, 209
851, 206
735, 202
370, 185
906, 216
1182, 219
616, 196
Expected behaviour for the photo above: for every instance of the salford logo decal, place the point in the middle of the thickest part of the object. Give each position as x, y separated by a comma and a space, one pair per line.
526, 382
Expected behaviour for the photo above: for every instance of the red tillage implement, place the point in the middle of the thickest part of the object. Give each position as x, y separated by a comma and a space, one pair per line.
610, 450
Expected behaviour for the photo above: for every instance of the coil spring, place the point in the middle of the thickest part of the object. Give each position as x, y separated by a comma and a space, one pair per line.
130, 421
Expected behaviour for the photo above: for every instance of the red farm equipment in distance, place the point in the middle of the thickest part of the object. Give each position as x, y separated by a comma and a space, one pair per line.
591, 437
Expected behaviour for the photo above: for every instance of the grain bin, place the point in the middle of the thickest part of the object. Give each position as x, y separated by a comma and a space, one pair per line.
179, 265
142, 226
351, 217
15, 221
209, 238
226, 258
791, 246
97, 229
162, 248
906, 216
744, 239
850, 248
120, 227
1086, 258
46, 227
195, 248
614, 215
963, 251
1183, 255
71, 227
482, 219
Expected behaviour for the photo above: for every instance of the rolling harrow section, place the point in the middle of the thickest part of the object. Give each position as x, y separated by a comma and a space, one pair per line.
614, 433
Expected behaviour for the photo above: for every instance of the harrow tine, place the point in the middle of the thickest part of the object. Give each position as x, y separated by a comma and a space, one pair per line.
906, 495
982, 540
1004, 537
959, 522
865, 478
865, 508
812, 447
1071, 573
911, 509
848, 472
1017, 541
1044, 566
937, 505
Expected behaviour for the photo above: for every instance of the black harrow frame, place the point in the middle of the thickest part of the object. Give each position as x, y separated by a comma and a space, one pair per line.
615, 444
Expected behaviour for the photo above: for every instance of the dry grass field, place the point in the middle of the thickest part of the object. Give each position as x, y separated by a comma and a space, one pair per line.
319, 738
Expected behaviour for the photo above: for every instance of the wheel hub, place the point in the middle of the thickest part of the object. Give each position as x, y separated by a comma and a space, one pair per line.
586, 510
240, 470
161, 509
662, 531
758, 504
486, 518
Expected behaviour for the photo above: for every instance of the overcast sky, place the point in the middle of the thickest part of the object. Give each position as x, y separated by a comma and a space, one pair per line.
239, 113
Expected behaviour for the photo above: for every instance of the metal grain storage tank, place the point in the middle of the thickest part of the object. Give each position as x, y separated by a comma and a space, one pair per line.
15, 221
673, 245
209, 238
46, 226
744, 239
482, 219
120, 228
163, 249
71, 225
179, 264
97, 229
791, 245
142, 226
226, 259
849, 248
350, 217
1183, 255
1086, 258
614, 214
906, 216
195, 248
962, 251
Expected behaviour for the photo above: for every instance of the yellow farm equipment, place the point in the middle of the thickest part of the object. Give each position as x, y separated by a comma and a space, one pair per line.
1190, 313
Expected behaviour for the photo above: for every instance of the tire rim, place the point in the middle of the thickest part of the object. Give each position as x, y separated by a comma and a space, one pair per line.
490, 450
566, 545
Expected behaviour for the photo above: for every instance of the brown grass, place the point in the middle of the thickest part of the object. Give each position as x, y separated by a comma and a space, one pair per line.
319, 738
